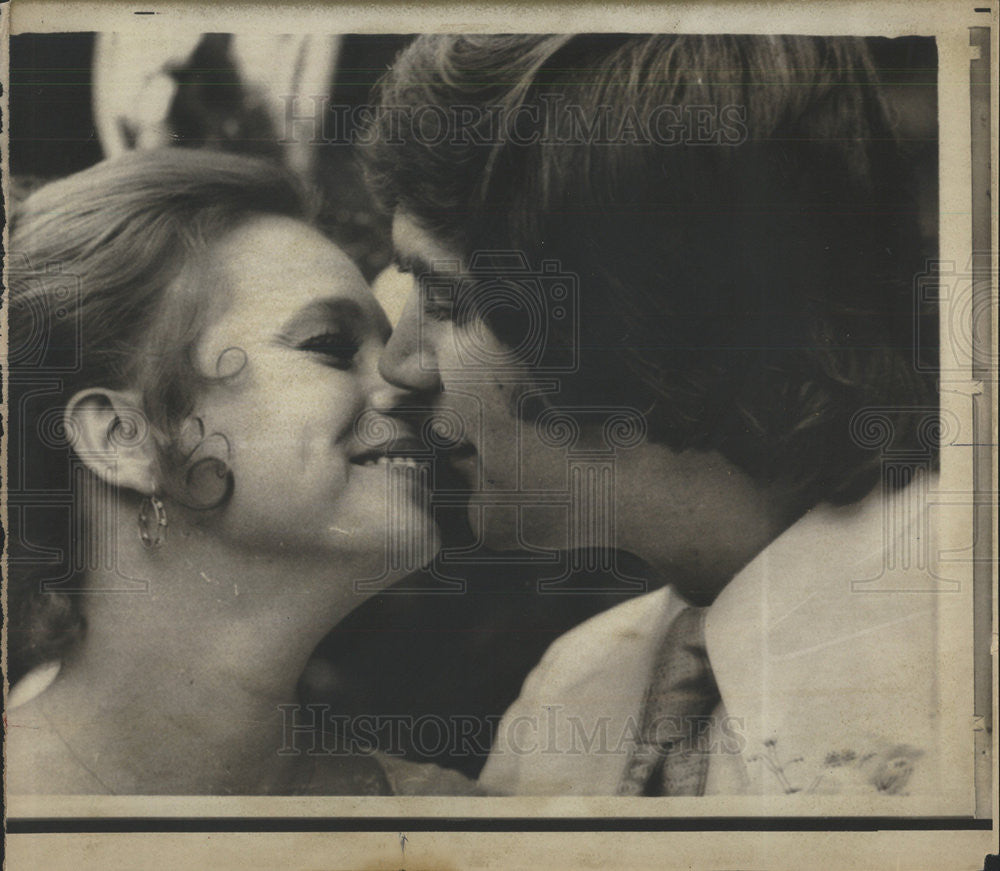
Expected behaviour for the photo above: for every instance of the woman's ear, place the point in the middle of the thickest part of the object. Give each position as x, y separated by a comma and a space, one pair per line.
110, 434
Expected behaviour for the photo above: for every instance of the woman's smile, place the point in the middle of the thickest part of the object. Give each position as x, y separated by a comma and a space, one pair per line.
313, 382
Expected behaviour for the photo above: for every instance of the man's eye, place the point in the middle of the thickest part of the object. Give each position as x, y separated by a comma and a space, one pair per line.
339, 348
437, 300
438, 309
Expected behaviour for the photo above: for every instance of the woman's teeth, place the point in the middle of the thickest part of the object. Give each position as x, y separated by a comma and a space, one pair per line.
393, 461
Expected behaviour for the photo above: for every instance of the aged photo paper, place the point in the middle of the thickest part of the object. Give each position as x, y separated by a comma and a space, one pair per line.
446, 436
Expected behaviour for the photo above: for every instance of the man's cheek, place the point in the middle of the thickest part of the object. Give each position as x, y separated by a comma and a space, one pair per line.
440, 343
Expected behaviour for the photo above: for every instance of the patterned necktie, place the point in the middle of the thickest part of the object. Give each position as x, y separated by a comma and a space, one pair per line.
670, 756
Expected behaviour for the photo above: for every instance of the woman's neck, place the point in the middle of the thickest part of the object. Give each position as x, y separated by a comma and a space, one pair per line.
190, 686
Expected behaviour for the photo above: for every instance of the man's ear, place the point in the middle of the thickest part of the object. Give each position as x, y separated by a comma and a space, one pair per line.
109, 432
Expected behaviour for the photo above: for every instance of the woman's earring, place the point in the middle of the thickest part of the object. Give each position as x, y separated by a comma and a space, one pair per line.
152, 522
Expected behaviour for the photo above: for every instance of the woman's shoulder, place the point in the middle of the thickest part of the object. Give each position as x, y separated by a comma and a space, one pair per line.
38, 761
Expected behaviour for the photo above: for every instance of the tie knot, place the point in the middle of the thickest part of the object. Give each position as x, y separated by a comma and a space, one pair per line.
687, 631
682, 655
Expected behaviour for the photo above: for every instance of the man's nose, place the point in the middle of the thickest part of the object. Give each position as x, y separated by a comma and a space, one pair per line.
408, 362
386, 406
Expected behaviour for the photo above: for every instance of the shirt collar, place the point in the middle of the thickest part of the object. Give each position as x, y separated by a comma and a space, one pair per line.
836, 612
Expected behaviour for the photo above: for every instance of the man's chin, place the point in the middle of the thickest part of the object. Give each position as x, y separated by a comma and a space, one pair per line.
494, 526
512, 527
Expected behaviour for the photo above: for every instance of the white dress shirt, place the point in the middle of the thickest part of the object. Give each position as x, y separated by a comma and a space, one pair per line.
829, 650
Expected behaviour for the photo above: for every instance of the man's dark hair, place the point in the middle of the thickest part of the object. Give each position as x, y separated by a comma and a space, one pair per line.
736, 208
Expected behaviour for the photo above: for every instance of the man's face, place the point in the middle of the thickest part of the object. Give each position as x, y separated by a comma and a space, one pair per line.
692, 514
480, 394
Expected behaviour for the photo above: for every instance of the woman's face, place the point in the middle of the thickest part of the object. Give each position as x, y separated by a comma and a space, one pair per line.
298, 419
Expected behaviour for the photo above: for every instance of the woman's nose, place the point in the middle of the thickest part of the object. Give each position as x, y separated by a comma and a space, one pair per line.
408, 362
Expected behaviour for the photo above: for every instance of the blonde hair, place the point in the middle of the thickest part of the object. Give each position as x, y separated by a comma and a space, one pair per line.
102, 292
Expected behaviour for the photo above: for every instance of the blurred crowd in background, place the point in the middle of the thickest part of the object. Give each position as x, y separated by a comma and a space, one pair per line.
77, 98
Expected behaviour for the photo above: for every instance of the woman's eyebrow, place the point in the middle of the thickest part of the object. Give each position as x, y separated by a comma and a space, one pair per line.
344, 312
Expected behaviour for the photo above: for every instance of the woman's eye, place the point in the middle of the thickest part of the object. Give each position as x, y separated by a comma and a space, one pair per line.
337, 347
